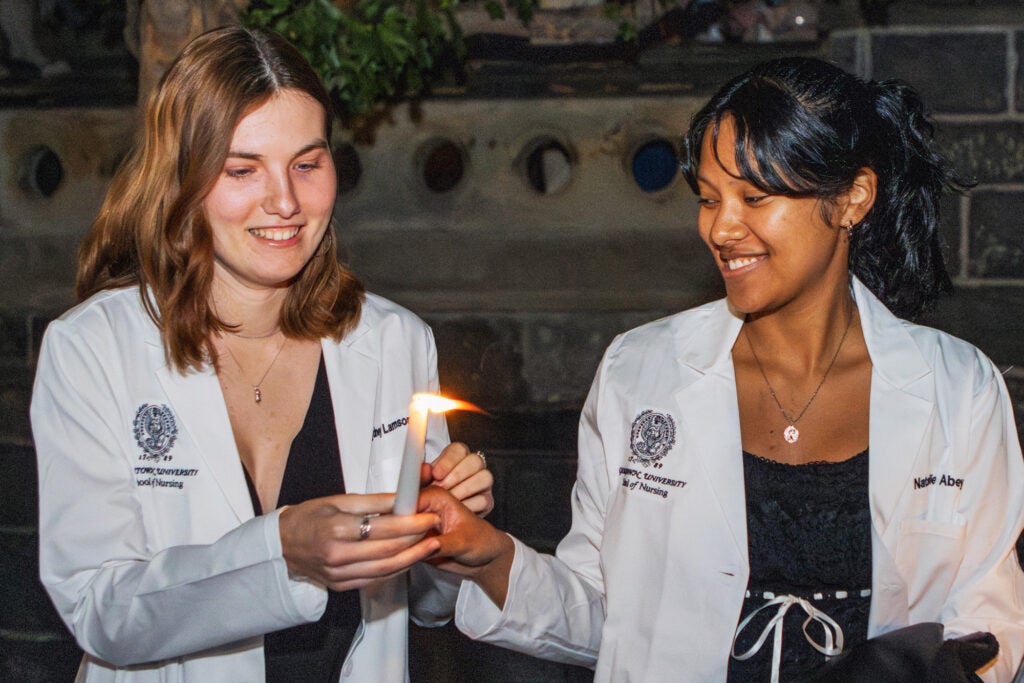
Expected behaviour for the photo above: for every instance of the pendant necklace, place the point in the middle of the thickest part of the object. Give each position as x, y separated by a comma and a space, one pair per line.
791, 433
257, 393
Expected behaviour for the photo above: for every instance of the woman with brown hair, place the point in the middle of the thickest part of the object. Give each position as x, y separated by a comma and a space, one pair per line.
214, 482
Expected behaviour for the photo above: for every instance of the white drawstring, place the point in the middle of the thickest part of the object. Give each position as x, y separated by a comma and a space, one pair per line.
832, 647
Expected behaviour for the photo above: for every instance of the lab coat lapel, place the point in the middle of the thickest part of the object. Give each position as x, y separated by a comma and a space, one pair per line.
709, 407
196, 397
354, 378
901, 405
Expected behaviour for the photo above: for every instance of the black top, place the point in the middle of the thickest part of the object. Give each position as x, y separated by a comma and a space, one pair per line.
316, 651
808, 535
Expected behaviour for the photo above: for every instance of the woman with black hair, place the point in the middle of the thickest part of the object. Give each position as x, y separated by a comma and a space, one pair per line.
776, 478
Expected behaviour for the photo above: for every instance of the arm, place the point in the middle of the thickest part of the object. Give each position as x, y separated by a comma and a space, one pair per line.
553, 607
988, 593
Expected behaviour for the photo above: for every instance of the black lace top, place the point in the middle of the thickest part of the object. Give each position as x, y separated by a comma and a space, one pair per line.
808, 535
316, 651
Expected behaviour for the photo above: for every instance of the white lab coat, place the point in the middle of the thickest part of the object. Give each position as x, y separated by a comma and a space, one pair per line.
148, 544
647, 585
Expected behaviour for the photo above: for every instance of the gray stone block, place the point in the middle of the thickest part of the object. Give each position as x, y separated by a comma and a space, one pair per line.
26, 606
997, 234
28, 657
13, 338
991, 318
956, 72
1018, 81
20, 502
480, 360
15, 392
987, 152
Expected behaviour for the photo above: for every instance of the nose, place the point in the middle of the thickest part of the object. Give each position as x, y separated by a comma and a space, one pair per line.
727, 225
280, 199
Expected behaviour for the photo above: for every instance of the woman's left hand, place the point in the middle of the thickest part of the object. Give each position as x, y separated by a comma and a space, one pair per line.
465, 475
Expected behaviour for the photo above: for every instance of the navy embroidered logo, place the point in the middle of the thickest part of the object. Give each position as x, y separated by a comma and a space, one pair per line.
651, 438
155, 431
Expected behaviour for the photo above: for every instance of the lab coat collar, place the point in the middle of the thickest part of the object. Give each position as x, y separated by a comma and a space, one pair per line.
354, 374
901, 402
708, 407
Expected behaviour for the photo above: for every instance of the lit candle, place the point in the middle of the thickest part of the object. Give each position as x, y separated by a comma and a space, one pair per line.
420, 407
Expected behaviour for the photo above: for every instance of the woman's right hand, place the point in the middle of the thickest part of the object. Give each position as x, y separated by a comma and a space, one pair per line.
469, 546
320, 539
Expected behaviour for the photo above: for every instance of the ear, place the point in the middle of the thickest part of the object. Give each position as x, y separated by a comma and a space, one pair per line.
859, 199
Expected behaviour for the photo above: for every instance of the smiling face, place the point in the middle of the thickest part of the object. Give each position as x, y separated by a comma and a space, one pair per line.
773, 251
272, 203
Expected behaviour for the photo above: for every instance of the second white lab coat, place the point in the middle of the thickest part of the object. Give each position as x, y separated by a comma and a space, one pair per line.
648, 584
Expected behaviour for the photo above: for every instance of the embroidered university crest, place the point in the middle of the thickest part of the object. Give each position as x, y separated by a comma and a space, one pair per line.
652, 436
155, 431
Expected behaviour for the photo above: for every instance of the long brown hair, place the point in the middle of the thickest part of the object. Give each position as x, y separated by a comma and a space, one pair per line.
151, 230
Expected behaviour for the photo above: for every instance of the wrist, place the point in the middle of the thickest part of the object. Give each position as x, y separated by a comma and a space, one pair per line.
493, 577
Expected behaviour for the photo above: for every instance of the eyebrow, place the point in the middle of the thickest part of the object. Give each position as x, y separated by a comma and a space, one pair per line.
238, 154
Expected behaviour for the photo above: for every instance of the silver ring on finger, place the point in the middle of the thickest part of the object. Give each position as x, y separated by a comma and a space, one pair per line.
480, 454
365, 528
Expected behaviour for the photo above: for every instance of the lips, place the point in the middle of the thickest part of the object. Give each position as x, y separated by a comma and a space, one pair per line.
275, 234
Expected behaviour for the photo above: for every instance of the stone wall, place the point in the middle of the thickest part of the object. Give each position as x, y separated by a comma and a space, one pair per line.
510, 215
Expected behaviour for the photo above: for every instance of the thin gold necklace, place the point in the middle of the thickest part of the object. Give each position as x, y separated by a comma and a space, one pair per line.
265, 335
257, 393
791, 434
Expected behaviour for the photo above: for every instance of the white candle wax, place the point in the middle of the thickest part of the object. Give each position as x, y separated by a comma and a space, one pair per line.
408, 492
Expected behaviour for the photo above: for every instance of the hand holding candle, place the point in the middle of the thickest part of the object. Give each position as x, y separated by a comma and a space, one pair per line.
415, 442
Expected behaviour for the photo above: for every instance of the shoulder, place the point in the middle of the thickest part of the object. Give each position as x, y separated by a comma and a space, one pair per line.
903, 351
116, 316
383, 322
951, 356
673, 333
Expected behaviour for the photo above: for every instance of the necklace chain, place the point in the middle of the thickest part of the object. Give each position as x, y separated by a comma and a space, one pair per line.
265, 335
257, 393
791, 433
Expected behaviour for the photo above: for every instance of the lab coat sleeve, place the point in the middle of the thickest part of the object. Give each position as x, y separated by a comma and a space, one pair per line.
124, 601
988, 594
555, 606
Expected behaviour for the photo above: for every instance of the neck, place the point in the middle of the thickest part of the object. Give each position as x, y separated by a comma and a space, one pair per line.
807, 337
253, 314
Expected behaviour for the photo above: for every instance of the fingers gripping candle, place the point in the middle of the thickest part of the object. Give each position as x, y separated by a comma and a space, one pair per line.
415, 443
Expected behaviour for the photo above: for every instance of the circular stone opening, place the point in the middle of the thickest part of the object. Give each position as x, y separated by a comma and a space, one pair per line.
348, 167
548, 166
655, 165
444, 164
42, 171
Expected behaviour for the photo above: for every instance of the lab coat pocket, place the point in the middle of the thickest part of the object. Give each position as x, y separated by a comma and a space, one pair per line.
928, 554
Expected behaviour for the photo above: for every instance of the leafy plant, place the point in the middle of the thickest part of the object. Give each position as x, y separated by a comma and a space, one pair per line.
369, 51
374, 51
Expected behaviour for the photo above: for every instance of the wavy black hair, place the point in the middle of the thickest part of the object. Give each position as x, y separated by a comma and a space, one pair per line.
804, 128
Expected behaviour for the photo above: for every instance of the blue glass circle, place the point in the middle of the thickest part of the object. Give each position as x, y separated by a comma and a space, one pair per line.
655, 165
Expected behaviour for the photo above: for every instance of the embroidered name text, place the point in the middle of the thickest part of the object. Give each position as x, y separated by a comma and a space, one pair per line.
389, 427
944, 480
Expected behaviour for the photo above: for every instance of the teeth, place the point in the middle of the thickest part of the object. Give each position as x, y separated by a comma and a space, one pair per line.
740, 262
275, 234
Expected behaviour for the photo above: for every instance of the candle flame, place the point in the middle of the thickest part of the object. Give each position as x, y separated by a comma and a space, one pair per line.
435, 403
